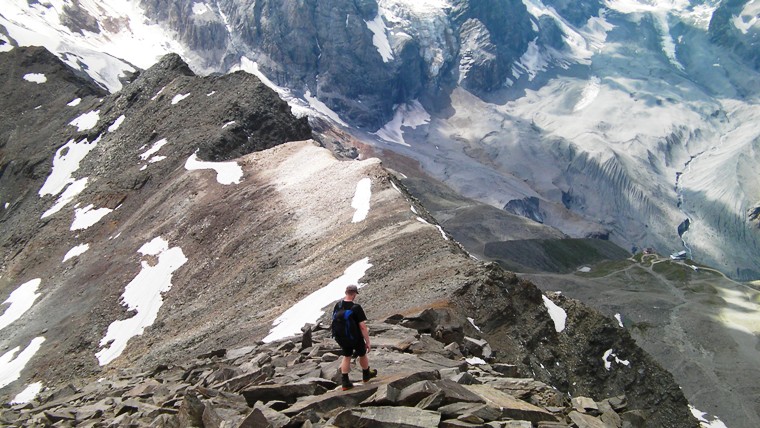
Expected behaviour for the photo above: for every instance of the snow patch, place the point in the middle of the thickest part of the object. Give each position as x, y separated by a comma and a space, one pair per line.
589, 94
311, 307
380, 37
10, 366
360, 202
76, 251
321, 107
75, 102
559, 316
35, 78
410, 115
67, 196
472, 321
608, 363
232, 122
154, 148
28, 394
226, 172
86, 121
65, 163
20, 300
440, 229
702, 418
179, 97
87, 216
143, 295
475, 361
619, 320
200, 8
116, 123
584, 269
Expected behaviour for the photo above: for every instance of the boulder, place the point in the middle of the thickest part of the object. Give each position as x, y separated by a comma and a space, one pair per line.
288, 393
586, 421
389, 417
585, 405
511, 407
332, 400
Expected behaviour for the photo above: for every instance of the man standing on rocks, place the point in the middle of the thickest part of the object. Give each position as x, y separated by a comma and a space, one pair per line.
351, 332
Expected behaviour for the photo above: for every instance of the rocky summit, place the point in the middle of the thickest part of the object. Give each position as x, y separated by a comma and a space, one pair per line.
164, 247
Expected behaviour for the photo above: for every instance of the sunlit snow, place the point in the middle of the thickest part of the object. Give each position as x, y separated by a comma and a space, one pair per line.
475, 361
154, 148
619, 320
608, 362
75, 102
12, 364
559, 316
590, 92
472, 321
409, 115
35, 77
311, 307
20, 300
143, 296
440, 229
179, 97
321, 107
65, 163
226, 172
116, 123
230, 123
86, 121
200, 8
76, 251
702, 418
360, 202
28, 394
380, 38
87, 216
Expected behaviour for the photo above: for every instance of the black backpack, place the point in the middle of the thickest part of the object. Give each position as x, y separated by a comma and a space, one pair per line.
344, 327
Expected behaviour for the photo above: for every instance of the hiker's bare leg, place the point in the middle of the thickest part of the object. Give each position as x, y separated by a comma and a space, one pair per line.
345, 365
364, 362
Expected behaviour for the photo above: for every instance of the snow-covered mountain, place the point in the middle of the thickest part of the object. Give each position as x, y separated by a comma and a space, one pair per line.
626, 119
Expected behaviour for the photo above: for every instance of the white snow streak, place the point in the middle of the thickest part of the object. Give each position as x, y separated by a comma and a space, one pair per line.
200, 8
10, 367
590, 92
310, 308
619, 320
179, 97
360, 202
608, 363
67, 196
20, 300
226, 172
116, 123
475, 361
143, 295
65, 163
86, 121
380, 37
35, 78
154, 148
28, 394
87, 216
409, 115
702, 418
76, 251
559, 316
321, 107
75, 102
472, 321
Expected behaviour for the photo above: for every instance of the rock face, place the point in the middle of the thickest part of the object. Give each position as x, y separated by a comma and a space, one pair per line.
734, 26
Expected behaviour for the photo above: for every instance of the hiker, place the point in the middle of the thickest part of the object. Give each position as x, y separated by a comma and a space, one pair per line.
350, 331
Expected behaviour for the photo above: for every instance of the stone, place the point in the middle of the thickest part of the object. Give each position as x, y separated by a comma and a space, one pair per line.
453, 351
234, 354
448, 373
59, 415
219, 353
332, 400
432, 402
477, 347
239, 382
585, 405
275, 419
191, 411
611, 419
465, 378
634, 419
470, 418
618, 403
329, 357
389, 417
511, 407
306, 339
210, 417
582, 420
384, 396
165, 421
456, 423
288, 393
508, 370
255, 419
412, 394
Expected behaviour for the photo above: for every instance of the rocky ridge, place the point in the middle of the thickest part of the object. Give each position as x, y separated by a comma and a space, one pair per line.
295, 382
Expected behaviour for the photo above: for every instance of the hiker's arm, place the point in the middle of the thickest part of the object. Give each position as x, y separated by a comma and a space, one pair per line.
365, 332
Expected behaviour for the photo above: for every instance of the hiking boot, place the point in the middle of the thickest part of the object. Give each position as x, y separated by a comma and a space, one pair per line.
368, 374
346, 383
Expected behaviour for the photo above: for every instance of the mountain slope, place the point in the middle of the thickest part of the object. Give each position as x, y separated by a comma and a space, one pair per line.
161, 255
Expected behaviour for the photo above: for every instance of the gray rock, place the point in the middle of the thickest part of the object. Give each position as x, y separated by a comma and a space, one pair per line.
390, 417
384, 396
585, 405
412, 394
510, 406
634, 419
465, 378
289, 392
275, 419
255, 419
477, 347
191, 411
508, 370
611, 419
456, 423
325, 403
585, 421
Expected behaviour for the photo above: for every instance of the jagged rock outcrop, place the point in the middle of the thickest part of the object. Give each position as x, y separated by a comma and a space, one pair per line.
734, 26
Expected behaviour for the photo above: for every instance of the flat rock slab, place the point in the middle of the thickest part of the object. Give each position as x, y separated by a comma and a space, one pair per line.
332, 400
388, 417
288, 393
510, 406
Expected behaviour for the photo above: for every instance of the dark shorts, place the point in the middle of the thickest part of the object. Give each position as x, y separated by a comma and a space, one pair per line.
356, 349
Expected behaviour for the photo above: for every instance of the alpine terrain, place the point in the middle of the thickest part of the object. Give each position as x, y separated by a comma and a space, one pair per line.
187, 186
